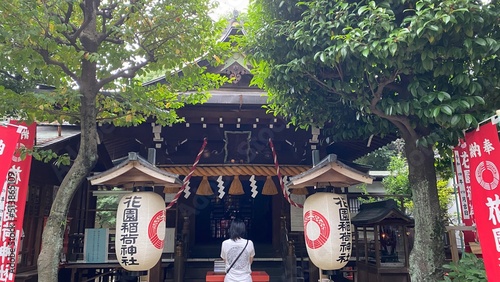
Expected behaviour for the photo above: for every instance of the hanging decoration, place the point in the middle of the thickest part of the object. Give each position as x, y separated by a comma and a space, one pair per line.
278, 173
140, 230
253, 185
187, 190
285, 181
462, 174
236, 188
220, 185
483, 157
186, 179
327, 230
269, 187
15, 172
204, 189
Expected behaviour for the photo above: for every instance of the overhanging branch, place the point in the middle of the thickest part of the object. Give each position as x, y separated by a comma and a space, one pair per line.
15, 77
125, 73
321, 83
402, 123
46, 57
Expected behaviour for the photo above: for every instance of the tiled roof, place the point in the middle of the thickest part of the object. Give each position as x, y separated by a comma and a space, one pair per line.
135, 171
47, 134
331, 171
378, 212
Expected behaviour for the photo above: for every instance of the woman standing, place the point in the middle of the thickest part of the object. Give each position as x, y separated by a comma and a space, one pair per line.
238, 254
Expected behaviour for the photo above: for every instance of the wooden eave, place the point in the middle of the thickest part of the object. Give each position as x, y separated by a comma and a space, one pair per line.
232, 170
133, 172
331, 172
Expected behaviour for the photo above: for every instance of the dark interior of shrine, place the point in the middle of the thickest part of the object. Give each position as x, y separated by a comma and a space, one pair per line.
213, 218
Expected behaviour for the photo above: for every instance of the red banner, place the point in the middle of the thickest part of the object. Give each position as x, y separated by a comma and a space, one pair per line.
8, 141
462, 176
484, 157
15, 191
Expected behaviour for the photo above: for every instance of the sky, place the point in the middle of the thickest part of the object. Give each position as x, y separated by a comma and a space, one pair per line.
228, 6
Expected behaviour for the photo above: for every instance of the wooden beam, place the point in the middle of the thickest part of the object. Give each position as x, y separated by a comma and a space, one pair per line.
461, 228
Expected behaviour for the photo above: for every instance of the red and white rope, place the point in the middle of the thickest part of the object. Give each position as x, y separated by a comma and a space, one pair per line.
186, 179
278, 173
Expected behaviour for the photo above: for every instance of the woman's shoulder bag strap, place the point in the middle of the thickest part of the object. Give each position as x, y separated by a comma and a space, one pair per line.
234, 261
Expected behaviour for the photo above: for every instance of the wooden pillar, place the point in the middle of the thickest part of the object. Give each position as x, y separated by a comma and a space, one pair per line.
291, 264
376, 233
313, 272
156, 273
179, 263
185, 235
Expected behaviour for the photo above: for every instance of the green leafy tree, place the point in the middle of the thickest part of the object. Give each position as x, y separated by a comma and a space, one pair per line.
89, 52
106, 207
421, 69
380, 158
445, 195
397, 182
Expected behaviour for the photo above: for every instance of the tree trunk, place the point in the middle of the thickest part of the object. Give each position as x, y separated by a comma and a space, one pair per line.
53, 233
427, 256
52, 237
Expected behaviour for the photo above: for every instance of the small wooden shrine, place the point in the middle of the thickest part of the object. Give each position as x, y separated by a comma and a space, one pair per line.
383, 240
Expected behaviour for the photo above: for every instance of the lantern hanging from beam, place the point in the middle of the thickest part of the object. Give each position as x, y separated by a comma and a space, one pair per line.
140, 230
327, 230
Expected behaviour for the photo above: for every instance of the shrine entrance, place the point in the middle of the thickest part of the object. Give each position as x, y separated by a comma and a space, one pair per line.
212, 224
207, 218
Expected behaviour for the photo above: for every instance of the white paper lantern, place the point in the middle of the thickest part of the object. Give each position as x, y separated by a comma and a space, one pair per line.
327, 230
140, 230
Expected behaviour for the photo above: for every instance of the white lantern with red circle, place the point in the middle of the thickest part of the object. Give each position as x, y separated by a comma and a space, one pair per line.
140, 230
327, 230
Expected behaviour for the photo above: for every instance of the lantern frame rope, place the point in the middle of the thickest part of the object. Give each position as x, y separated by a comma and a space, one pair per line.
186, 179
278, 173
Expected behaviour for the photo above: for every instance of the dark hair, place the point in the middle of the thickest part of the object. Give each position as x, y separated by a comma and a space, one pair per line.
237, 229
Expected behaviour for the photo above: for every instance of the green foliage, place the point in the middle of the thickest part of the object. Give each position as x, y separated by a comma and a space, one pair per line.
49, 155
469, 268
44, 156
106, 207
76, 49
366, 198
380, 158
382, 66
90, 53
444, 163
397, 182
423, 70
445, 195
